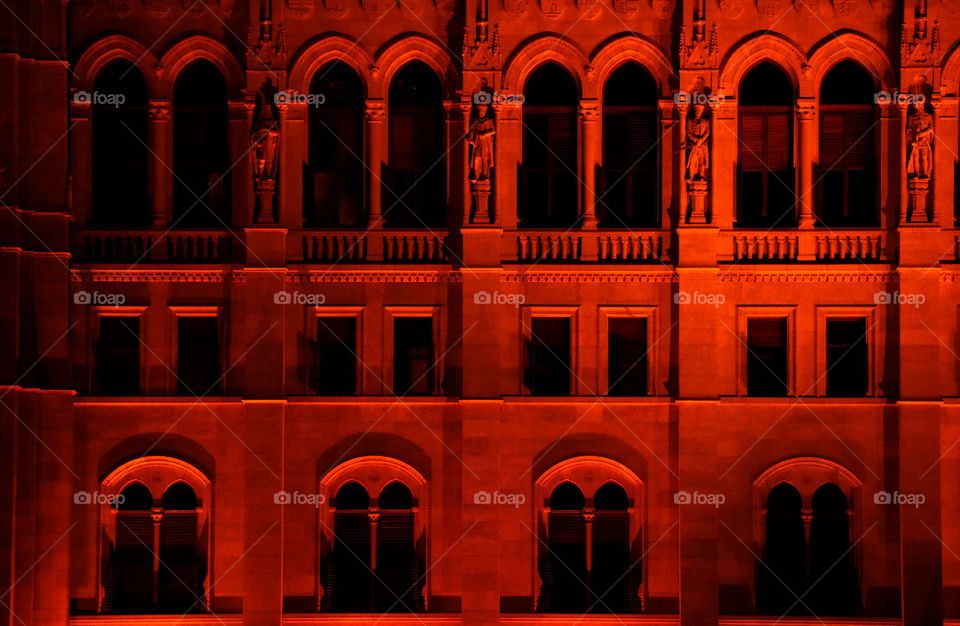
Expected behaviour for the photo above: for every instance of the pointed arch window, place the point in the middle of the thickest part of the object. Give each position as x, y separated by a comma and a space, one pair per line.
627, 190
847, 172
549, 187
120, 147
201, 153
589, 559
765, 167
333, 180
155, 539
415, 189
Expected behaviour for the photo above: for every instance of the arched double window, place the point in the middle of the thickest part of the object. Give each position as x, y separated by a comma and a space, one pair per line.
201, 148
549, 188
808, 566
120, 152
589, 544
333, 177
847, 173
415, 190
627, 190
154, 553
373, 555
765, 167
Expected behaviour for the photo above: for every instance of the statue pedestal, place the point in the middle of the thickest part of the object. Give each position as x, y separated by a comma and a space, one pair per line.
263, 211
480, 191
698, 201
918, 188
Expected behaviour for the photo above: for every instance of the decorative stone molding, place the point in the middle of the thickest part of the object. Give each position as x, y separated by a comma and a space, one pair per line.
326, 50
795, 276
760, 48
374, 276
154, 276
547, 48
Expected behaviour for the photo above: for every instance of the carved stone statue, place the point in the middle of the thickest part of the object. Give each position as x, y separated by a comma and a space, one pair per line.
696, 141
480, 139
265, 152
920, 138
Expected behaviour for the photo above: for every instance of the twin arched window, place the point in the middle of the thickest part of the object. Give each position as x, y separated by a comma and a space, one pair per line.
155, 563
807, 565
376, 560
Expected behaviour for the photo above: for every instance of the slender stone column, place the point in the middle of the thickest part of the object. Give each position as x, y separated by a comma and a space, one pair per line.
592, 140
159, 174
683, 106
902, 172
375, 114
807, 120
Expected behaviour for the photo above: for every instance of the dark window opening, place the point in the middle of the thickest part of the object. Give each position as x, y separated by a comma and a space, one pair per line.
847, 353
118, 357
335, 370
627, 356
413, 366
767, 367
835, 589
612, 575
549, 194
781, 575
198, 356
349, 569
414, 190
564, 566
765, 181
548, 360
333, 181
627, 190
201, 148
120, 147
846, 191
398, 569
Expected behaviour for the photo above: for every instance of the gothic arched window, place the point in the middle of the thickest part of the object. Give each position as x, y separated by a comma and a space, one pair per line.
783, 559
155, 538
334, 174
627, 191
549, 191
414, 193
589, 557
765, 180
847, 171
373, 548
834, 589
201, 151
120, 152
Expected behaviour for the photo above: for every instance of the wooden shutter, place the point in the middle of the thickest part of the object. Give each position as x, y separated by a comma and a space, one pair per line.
135, 529
858, 131
831, 140
178, 529
777, 141
751, 142
563, 139
642, 136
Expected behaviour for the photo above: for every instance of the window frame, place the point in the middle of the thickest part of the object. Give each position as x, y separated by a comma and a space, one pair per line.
355, 312
390, 313
578, 386
99, 313
222, 337
607, 313
874, 330
744, 315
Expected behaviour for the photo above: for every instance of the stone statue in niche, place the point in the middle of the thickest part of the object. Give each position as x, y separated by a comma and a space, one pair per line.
265, 140
920, 138
480, 139
696, 142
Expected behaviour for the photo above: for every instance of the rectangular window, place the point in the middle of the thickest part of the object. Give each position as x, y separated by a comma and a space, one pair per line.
549, 368
627, 356
198, 356
847, 365
766, 167
767, 367
335, 370
413, 370
118, 356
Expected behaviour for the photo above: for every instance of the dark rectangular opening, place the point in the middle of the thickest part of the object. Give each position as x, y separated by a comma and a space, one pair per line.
335, 371
767, 368
413, 371
118, 356
627, 356
847, 367
198, 356
548, 370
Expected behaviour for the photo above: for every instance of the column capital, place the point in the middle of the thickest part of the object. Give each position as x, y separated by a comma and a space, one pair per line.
589, 110
807, 108
508, 110
374, 110
159, 110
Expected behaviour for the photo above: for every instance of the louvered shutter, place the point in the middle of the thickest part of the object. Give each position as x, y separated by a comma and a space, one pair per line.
858, 131
751, 142
831, 140
178, 528
563, 139
134, 529
777, 141
611, 558
642, 137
